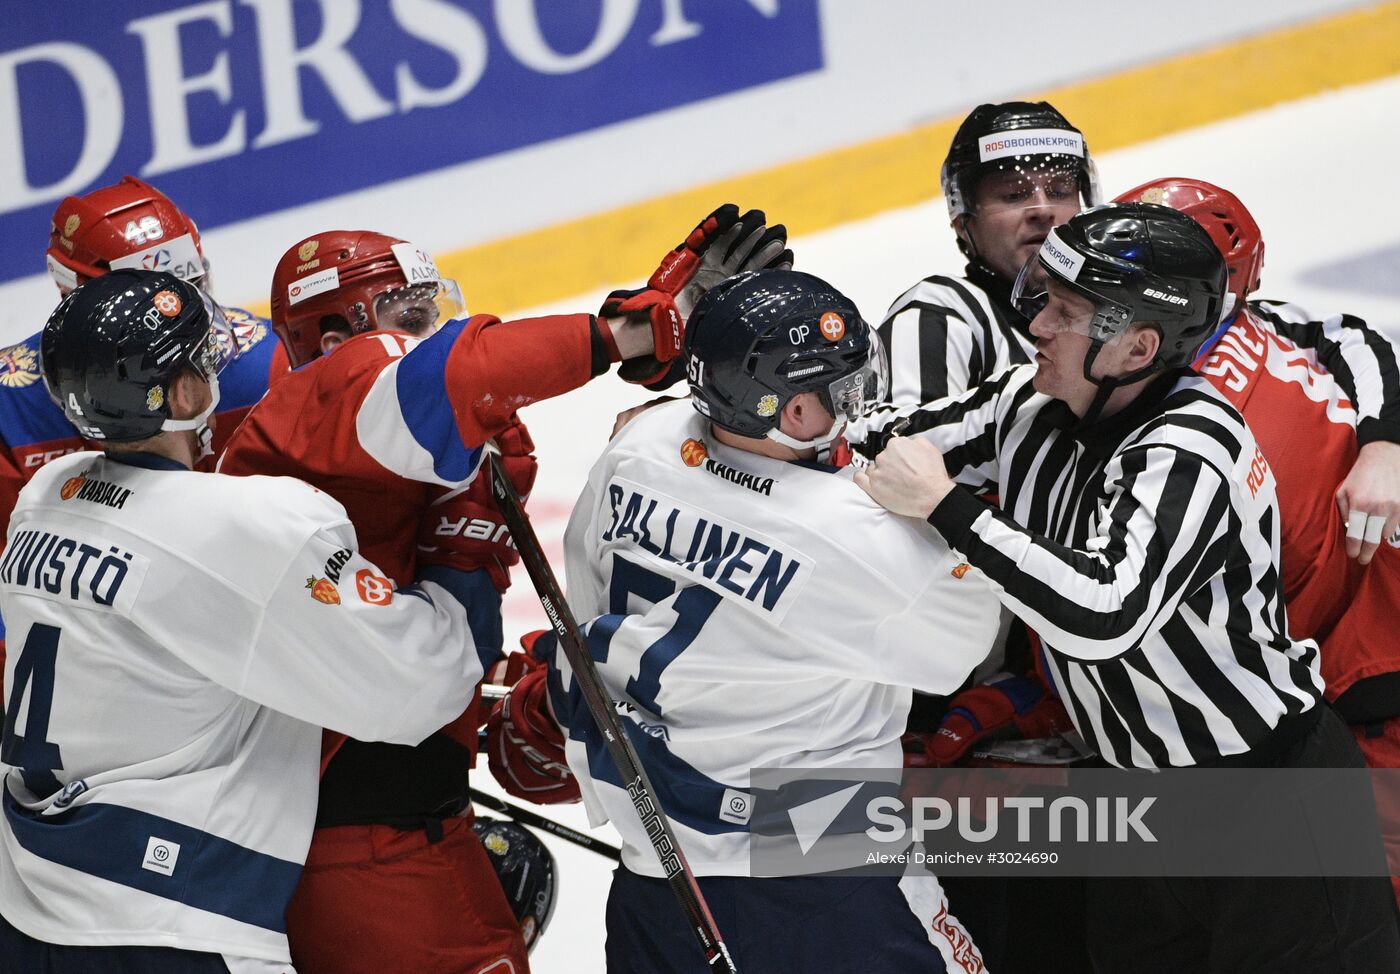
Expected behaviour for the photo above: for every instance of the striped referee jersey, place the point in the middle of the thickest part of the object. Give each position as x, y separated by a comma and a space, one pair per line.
946, 334
1143, 549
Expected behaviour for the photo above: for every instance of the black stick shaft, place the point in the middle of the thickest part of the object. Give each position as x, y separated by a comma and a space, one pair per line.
604, 710
526, 817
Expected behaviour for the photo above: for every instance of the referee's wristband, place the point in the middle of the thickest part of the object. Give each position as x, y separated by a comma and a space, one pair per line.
955, 514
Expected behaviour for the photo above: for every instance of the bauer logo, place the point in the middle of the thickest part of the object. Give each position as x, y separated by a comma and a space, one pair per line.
1059, 258
1164, 297
1029, 142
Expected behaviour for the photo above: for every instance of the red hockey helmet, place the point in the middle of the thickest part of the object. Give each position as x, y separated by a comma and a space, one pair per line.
356, 281
130, 224
1230, 225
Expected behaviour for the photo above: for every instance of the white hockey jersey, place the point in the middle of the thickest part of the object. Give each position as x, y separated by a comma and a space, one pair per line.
176, 642
748, 612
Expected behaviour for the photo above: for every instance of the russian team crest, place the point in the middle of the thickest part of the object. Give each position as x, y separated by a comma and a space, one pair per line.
19, 366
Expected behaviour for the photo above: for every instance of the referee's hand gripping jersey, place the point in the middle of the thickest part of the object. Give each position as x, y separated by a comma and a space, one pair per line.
1138, 535
1138, 530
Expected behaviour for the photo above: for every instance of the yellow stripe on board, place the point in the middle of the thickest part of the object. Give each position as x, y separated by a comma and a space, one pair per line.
847, 184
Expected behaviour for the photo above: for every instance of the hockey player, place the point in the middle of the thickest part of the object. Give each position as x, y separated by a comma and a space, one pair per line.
1154, 582
715, 557
391, 423
128, 224
1308, 429
180, 639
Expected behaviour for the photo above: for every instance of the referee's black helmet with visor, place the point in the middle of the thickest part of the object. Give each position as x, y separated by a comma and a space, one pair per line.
1136, 263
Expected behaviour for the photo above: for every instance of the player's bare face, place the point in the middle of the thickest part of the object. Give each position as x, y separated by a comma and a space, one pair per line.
1014, 211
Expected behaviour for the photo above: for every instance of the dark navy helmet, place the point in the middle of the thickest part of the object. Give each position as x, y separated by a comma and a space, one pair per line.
756, 340
525, 867
1136, 262
1025, 137
111, 347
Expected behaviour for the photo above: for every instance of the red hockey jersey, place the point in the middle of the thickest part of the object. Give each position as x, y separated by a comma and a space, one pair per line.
1306, 428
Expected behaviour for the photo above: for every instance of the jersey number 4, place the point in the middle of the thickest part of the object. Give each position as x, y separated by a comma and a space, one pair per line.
34, 756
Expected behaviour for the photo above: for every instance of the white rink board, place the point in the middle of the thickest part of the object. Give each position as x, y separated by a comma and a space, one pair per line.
1318, 174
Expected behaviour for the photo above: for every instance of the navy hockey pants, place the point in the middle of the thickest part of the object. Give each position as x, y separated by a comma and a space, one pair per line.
22, 954
806, 924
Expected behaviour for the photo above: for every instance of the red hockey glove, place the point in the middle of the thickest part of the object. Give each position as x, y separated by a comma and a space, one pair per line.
525, 747
657, 309
721, 245
463, 528
1015, 706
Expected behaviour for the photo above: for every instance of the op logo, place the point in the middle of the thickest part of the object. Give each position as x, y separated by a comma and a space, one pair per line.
833, 326
19, 367
167, 303
374, 589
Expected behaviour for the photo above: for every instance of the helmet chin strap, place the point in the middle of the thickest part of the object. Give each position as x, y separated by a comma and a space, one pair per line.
200, 423
1108, 385
822, 443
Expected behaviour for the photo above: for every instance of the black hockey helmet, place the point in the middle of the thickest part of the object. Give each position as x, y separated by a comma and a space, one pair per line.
525, 868
756, 340
1027, 137
1137, 262
111, 347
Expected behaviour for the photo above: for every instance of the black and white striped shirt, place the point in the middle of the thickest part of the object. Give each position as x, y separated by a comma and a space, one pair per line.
1143, 550
946, 334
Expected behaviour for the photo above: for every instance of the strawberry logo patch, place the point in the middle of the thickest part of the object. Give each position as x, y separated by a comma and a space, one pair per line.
323, 591
693, 452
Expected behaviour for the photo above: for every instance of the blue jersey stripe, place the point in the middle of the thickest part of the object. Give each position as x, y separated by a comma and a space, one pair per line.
421, 386
211, 873
478, 595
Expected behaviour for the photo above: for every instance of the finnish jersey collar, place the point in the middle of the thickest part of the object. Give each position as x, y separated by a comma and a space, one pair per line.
151, 461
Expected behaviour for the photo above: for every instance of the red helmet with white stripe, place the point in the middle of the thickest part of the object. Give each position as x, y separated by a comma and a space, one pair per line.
353, 281
1230, 225
129, 224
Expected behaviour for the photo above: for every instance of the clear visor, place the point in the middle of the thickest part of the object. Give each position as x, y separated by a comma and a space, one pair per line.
1032, 181
851, 395
1077, 309
220, 345
419, 308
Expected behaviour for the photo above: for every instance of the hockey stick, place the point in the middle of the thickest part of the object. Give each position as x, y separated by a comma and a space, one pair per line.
601, 705
526, 817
